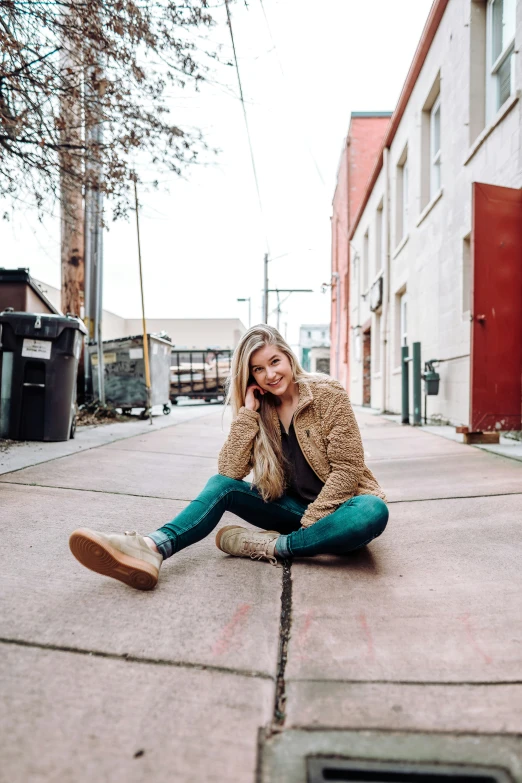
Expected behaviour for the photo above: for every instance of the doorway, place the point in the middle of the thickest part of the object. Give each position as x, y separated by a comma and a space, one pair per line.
367, 367
496, 309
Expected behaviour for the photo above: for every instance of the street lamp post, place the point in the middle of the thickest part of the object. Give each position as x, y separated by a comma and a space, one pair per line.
247, 299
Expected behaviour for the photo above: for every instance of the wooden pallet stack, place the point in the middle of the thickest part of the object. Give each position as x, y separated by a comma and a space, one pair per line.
199, 377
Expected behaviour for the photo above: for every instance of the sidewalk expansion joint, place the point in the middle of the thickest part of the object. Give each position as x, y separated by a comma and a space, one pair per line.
90, 489
108, 443
128, 658
402, 683
285, 624
166, 453
456, 497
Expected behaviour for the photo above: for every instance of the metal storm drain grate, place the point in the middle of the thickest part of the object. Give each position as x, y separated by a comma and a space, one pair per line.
337, 771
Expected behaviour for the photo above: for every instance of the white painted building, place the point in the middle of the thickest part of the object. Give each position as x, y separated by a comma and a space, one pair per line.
190, 333
414, 244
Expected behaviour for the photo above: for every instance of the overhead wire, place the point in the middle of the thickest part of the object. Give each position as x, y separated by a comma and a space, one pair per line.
250, 145
283, 74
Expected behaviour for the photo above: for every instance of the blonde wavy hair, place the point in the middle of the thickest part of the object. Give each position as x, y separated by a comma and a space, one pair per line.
267, 455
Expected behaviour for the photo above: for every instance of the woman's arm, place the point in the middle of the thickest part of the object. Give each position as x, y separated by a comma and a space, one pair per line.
234, 457
345, 455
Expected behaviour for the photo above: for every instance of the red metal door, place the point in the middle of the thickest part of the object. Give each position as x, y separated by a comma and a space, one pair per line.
496, 326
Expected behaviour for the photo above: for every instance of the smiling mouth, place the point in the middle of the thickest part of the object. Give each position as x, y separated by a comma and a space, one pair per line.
276, 383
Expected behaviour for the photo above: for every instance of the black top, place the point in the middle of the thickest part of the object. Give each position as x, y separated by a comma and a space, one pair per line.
302, 483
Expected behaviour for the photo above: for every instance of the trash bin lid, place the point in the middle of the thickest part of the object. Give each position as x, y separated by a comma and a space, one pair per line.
44, 325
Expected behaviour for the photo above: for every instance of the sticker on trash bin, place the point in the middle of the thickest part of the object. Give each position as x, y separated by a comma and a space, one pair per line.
37, 349
108, 358
136, 353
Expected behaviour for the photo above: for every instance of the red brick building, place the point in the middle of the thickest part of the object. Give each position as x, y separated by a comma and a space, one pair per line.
361, 148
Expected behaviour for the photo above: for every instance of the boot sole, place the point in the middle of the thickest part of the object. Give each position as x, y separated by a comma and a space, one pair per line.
223, 530
101, 557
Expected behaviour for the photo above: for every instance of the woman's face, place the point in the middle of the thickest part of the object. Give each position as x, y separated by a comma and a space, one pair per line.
271, 370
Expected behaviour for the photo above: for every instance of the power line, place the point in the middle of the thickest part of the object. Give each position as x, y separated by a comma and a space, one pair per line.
283, 74
246, 124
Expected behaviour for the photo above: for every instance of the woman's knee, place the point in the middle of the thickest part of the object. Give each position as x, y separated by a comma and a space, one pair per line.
371, 515
220, 484
376, 512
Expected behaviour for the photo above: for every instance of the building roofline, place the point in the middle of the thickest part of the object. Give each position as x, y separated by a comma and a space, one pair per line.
428, 34
371, 113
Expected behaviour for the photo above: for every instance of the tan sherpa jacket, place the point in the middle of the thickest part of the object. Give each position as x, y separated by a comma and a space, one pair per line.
329, 438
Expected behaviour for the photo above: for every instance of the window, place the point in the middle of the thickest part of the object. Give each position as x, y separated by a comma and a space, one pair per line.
309, 335
365, 261
379, 236
466, 274
431, 141
500, 49
401, 324
404, 320
376, 344
355, 294
402, 198
435, 179
357, 343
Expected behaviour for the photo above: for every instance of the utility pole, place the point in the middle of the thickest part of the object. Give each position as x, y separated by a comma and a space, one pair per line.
71, 196
288, 291
93, 234
265, 295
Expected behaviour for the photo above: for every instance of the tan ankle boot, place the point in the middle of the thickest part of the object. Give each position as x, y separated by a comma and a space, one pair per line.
241, 542
126, 557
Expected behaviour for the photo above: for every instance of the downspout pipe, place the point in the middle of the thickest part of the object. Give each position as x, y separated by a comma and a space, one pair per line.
337, 277
385, 359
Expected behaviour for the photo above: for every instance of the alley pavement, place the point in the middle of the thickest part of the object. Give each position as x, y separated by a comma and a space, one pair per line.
233, 670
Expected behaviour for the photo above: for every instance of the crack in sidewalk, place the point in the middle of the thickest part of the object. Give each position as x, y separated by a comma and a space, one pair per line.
129, 658
285, 624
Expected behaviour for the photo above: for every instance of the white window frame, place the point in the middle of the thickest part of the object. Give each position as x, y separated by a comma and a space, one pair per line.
366, 261
403, 325
405, 199
376, 345
379, 240
435, 154
493, 104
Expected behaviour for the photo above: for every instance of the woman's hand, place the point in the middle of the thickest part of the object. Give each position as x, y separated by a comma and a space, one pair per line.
251, 400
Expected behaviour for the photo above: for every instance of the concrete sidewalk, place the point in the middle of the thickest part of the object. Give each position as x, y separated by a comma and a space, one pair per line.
408, 650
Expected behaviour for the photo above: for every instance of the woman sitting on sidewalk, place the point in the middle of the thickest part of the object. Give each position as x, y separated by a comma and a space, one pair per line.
311, 492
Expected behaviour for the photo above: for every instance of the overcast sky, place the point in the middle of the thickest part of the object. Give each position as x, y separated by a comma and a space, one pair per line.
203, 241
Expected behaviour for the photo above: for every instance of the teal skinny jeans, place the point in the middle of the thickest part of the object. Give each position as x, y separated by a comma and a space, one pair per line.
352, 525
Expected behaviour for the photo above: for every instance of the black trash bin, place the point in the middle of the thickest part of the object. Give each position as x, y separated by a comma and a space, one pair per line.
38, 366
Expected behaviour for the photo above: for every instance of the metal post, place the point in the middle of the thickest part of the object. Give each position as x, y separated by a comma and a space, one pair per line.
265, 297
405, 419
144, 322
99, 289
417, 385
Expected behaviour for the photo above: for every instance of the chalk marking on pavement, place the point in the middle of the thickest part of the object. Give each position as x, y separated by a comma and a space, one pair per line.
363, 620
227, 635
127, 658
466, 620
